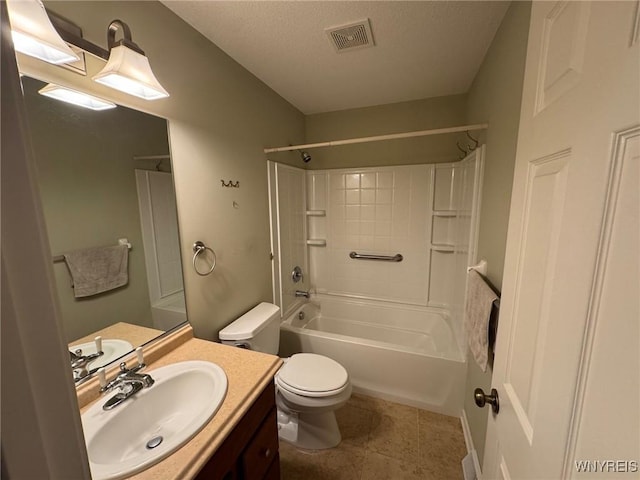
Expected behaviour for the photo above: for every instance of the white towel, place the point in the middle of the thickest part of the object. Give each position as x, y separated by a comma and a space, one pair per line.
97, 270
477, 312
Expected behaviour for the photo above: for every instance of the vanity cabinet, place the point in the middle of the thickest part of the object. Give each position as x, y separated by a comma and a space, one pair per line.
250, 452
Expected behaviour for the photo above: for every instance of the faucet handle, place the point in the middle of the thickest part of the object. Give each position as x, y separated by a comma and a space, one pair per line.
102, 377
140, 357
108, 386
98, 341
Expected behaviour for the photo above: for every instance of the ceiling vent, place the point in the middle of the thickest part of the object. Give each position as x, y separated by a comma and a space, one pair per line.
351, 36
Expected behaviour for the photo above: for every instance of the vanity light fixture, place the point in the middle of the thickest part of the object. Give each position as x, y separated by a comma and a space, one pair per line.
34, 35
128, 68
74, 97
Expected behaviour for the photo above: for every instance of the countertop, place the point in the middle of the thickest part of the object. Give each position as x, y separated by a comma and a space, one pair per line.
248, 373
134, 334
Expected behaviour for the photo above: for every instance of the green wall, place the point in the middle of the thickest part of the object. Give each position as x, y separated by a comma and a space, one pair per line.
380, 120
495, 96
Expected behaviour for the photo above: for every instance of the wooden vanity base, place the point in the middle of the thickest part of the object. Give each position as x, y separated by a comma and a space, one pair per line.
250, 452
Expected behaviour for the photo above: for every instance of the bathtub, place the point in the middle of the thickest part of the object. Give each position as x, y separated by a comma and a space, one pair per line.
169, 311
403, 353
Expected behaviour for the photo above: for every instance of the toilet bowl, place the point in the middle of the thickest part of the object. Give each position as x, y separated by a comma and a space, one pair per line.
309, 387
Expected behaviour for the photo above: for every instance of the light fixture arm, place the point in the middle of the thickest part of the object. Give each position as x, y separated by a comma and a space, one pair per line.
126, 40
72, 33
127, 68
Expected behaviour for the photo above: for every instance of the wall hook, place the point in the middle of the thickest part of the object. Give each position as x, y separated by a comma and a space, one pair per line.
473, 140
231, 183
464, 151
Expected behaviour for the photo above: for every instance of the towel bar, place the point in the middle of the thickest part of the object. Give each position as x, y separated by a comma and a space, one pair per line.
121, 241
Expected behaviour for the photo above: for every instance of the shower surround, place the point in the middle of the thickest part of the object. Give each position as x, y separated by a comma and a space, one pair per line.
370, 315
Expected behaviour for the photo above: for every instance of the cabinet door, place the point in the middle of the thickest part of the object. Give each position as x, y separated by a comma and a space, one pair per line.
262, 449
251, 449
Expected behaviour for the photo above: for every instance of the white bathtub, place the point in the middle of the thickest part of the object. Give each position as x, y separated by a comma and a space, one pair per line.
398, 352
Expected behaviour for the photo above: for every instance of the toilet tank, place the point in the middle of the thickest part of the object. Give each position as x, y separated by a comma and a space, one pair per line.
258, 329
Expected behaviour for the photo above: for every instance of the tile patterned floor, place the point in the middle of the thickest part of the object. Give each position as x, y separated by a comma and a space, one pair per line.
382, 441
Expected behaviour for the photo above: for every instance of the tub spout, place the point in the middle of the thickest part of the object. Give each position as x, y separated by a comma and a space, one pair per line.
302, 293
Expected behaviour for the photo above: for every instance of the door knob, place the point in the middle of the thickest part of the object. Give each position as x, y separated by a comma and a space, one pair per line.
482, 399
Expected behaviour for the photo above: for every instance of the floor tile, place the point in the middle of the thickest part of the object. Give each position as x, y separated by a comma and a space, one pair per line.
394, 437
435, 419
355, 425
442, 446
341, 463
384, 407
381, 467
382, 440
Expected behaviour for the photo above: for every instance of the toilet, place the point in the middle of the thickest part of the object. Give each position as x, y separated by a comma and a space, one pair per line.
309, 387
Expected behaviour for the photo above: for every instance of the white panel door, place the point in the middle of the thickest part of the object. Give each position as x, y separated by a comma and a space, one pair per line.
579, 121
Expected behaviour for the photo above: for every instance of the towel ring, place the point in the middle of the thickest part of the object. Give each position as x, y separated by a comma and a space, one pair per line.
198, 248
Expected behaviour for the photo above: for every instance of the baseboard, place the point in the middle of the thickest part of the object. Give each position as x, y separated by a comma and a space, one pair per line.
468, 440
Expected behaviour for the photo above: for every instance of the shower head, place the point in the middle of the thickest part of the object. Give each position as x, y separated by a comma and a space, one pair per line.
306, 158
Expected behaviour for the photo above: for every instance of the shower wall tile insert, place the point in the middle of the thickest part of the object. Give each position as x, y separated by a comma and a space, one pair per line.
292, 230
315, 201
382, 210
444, 195
368, 196
443, 231
428, 213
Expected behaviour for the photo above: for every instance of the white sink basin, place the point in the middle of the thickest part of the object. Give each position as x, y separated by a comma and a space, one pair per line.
182, 400
113, 348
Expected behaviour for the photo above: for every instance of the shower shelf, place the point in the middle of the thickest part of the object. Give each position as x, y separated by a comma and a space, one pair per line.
316, 242
316, 213
444, 213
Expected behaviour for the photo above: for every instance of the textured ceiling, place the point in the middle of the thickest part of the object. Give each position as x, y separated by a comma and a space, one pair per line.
422, 48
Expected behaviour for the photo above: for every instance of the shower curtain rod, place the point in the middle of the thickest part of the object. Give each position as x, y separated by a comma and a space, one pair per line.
392, 136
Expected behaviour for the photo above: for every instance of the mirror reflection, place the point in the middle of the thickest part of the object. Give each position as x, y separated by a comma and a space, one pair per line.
109, 206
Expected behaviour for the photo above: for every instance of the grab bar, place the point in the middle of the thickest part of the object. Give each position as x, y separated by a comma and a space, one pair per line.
384, 258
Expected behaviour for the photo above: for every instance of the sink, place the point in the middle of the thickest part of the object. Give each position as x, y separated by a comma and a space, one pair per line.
155, 422
113, 349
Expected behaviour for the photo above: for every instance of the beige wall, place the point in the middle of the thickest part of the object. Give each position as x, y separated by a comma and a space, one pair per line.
379, 120
495, 96
220, 119
85, 172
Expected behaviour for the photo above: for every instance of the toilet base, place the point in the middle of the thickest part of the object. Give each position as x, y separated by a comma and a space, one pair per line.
311, 431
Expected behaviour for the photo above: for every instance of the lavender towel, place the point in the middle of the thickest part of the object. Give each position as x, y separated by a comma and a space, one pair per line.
97, 270
477, 312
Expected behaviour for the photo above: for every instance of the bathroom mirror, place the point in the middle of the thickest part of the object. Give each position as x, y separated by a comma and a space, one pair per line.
105, 178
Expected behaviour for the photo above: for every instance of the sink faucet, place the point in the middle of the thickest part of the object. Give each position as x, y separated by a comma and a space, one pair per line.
128, 381
302, 293
80, 362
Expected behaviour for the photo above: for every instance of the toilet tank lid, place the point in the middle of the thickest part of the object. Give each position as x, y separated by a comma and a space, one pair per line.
249, 324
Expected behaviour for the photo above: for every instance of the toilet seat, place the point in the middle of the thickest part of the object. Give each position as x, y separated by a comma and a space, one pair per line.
312, 375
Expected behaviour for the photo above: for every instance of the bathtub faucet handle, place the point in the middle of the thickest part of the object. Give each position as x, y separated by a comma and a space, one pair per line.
297, 275
302, 293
